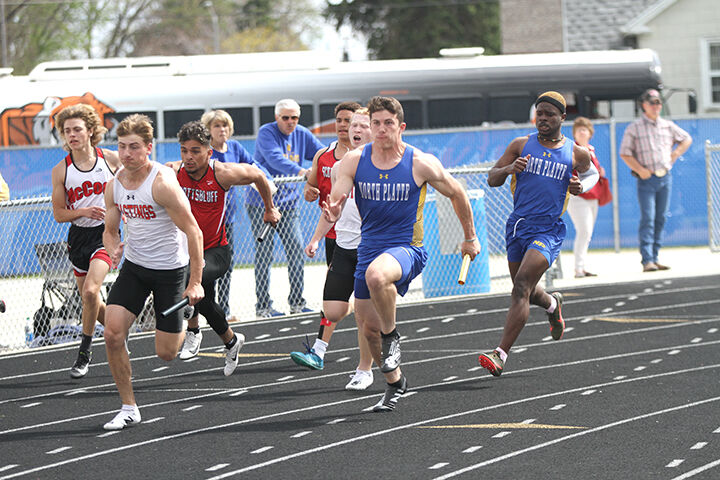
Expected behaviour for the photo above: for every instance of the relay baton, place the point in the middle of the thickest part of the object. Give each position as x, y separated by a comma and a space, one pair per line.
464, 269
264, 232
174, 308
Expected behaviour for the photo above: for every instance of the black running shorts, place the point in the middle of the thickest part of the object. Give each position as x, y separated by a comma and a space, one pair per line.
330, 244
83, 243
340, 278
134, 283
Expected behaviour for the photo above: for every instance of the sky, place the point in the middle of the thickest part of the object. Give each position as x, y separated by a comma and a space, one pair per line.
332, 41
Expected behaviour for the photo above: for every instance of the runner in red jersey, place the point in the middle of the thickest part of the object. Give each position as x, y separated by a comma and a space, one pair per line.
206, 183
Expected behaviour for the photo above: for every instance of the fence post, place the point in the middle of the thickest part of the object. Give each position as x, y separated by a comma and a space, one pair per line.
614, 172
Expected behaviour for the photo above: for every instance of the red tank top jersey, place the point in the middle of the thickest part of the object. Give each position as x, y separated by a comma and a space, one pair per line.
325, 164
207, 202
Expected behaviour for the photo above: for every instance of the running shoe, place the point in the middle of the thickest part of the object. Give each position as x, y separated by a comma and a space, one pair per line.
492, 362
361, 380
191, 345
268, 313
300, 309
557, 324
82, 364
390, 353
123, 419
391, 396
231, 355
308, 358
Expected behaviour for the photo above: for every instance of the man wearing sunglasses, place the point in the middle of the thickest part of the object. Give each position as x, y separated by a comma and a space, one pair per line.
650, 147
281, 147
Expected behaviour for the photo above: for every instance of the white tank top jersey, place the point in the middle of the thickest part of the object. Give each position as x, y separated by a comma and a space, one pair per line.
347, 228
152, 239
85, 188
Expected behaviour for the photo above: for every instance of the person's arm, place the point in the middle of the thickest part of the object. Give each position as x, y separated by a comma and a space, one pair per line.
310, 190
682, 145
175, 165
111, 234
167, 192
342, 186
60, 211
427, 168
4, 190
229, 174
509, 163
112, 158
587, 175
627, 153
272, 152
322, 228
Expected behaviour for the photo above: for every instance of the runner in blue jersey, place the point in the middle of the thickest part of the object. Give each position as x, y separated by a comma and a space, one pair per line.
390, 179
541, 166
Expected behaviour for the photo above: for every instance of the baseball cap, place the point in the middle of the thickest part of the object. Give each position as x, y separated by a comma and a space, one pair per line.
649, 94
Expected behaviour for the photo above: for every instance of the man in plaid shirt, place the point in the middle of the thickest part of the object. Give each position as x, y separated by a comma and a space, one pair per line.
650, 147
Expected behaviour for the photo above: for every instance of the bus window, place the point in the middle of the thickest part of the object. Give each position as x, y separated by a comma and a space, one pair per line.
413, 113
174, 119
327, 112
116, 118
242, 120
455, 112
307, 116
514, 109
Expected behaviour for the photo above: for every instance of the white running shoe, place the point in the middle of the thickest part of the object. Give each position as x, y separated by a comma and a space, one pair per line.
231, 355
360, 381
191, 345
123, 419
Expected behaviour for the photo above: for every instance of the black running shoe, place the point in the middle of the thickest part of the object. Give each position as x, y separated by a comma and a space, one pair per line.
82, 364
390, 398
390, 353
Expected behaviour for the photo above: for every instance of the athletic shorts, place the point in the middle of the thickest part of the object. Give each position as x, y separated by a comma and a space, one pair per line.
329, 249
84, 245
134, 283
340, 278
522, 234
411, 259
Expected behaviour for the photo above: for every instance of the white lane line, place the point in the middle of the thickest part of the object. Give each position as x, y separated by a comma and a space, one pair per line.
501, 434
474, 369
263, 449
8, 467
717, 430
658, 285
619, 304
30, 405
217, 467
586, 320
193, 359
529, 420
607, 310
70, 394
569, 329
655, 361
547, 339
588, 392
438, 466
674, 352
109, 434
409, 394
471, 310
282, 379
559, 406
698, 446
640, 368
675, 463
633, 297
193, 407
620, 377
160, 369
323, 448
238, 393
472, 449
694, 472
286, 329
648, 290
423, 329
522, 349
57, 450
368, 409
696, 340
153, 420
337, 420
342, 359
306, 322
712, 330
447, 379
301, 434
447, 320
264, 335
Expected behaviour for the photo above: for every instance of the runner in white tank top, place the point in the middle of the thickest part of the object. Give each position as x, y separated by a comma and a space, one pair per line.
157, 211
78, 183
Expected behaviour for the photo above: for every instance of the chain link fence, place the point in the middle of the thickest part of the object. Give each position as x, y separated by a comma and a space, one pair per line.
43, 304
712, 173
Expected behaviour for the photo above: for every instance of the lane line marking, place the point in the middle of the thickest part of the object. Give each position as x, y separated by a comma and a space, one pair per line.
694, 472
246, 355
472, 449
675, 463
30, 405
495, 426
108, 434
57, 450
153, 420
160, 369
559, 406
193, 407
337, 420
301, 434
438, 466
8, 467
698, 446
263, 449
217, 467
639, 320
501, 434
342, 359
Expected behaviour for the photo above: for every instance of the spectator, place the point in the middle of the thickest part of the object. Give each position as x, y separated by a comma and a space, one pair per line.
281, 147
4, 190
649, 148
221, 127
583, 208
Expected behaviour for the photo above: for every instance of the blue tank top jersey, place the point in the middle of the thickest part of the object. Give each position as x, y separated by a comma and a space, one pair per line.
390, 203
541, 190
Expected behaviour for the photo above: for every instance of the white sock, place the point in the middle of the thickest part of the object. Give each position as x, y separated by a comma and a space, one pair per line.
130, 409
320, 348
553, 304
503, 355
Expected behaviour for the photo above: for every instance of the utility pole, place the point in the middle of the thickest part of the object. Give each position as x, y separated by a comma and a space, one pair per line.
215, 24
3, 34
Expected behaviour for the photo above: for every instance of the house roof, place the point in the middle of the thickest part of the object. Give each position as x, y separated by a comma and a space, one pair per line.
602, 24
638, 24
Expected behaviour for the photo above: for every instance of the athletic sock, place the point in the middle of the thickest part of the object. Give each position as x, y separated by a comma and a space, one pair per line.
85, 343
319, 347
232, 342
397, 384
195, 330
391, 334
501, 352
553, 304
129, 408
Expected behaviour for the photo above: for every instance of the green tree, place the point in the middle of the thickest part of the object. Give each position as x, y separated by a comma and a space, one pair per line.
420, 28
